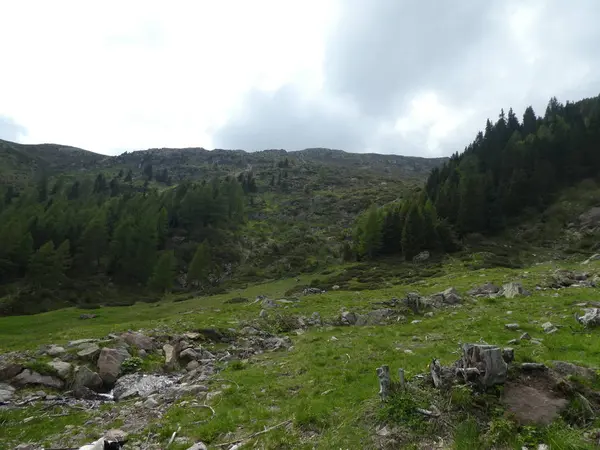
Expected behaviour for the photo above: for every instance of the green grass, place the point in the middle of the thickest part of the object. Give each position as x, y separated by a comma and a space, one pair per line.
327, 387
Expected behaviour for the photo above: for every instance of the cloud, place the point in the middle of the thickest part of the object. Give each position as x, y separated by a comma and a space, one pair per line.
422, 77
11, 130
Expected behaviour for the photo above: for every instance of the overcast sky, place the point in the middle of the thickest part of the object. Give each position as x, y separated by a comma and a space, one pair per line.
413, 77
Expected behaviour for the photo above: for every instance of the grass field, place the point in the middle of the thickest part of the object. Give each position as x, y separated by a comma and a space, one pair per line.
325, 385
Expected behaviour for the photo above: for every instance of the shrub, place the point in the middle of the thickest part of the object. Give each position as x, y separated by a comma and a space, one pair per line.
131, 365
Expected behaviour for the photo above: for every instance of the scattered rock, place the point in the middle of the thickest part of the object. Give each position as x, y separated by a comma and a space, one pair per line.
484, 290
451, 296
109, 363
63, 369
189, 354
512, 290
29, 377
512, 326
525, 337
139, 340
376, 317
421, 257
591, 318
6, 393
508, 354
348, 318
87, 378
89, 352
312, 291
549, 328
564, 278
315, 319
26, 447
9, 369
140, 385
269, 303
151, 403
55, 350
115, 435
192, 336
87, 316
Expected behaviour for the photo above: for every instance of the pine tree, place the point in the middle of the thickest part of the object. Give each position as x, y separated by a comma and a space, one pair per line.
128, 177
94, 241
63, 257
148, 172
370, 234
529, 122
164, 272
162, 226
201, 265
412, 234
43, 270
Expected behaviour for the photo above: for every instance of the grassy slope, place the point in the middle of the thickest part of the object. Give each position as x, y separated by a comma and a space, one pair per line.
328, 388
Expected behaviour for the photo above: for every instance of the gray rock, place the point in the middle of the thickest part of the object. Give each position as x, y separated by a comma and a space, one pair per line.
528, 366
89, 352
428, 314
55, 350
451, 296
488, 359
268, 303
591, 318
29, 378
315, 319
26, 447
549, 328
139, 340
189, 354
198, 446
115, 435
9, 369
512, 290
87, 316
109, 363
79, 342
63, 369
525, 337
151, 403
512, 326
192, 365
508, 355
87, 378
263, 314
566, 368
590, 218
513, 342
186, 389
484, 290
376, 317
348, 318
335, 287
6, 393
141, 385
170, 356
422, 257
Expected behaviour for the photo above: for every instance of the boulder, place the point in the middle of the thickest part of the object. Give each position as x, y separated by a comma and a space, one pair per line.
591, 318
549, 328
189, 354
484, 290
421, 257
511, 326
109, 363
6, 393
89, 352
198, 446
63, 369
512, 290
170, 356
31, 378
376, 317
87, 316
450, 296
348, 318
566, 368
87, 378
138, 340
9, 369
55, 350
141, 385
590, 218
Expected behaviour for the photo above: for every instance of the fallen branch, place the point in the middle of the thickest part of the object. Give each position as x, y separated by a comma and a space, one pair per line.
173, 437
258, 433
428, 413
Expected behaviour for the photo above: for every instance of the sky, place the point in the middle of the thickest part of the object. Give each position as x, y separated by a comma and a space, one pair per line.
411, 77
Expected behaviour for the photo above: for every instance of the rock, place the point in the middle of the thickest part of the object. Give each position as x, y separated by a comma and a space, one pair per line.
26, 447
595, 257
151, 403
29, 377
312, 291
109, 363
268, 303
55, 350
525, 337
348, 318
335, 287
87, 316
89, 352
428, 314
170, 356
549, 328
566, 368
416, 321
192, 365
141, 385
529, 366
591, 318
192, 336
451, 296
421, 257
79, 342
115, 435
198, 446
512, 326
590, 218
87, 378
488, 359
508, 355
315, 319
512, 290
513, 342
276, 343
186, 389
189, 354
249, 331
484, 290
139, 340
9, 369
376, 317
6, 393
263, 314
63, 369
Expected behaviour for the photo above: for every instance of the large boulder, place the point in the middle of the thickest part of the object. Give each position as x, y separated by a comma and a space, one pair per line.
6, 393
140, 385
55, 350
170, 356
87, 378
486, 289
31, 378
590, 218
348, 318
139, 340
450, 296
89, 352
513, 289
63, 369
109, 363
9, 369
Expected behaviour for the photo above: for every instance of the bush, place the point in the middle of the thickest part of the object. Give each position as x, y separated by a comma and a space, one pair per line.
131, 365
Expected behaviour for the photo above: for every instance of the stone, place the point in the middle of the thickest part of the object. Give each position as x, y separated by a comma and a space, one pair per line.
512, 326
549, 328
590, 218
63, 369
566, 368
416, 321
26, 447
189, 354
79, 342
170, 356
87, 316
87, 378
421, 257
525, 337
141, 385
268, 303
29, 377
192, 336
150, 403
591, 318
55, 350
89, 352
9, 369
198, 446
109, 363
348, 318
376, 317
139, 340
529, 366
192, 365
512, 290
315, 319
115, 435
428, 314
513, 342
263, 314
508, 355
451, 296
6, 393
484, 290
335, 287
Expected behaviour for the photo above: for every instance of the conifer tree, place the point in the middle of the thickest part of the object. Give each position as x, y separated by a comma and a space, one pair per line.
201, 265
164, 272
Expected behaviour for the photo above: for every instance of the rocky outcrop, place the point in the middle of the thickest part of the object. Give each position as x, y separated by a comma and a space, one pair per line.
30, 378
109, 363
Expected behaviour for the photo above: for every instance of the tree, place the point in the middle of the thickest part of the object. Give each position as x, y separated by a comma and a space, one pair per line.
148, 172
164, 272
94, 242
200, 267
128, 177
529, 122
369, 233
162, 226
412, 234
43, 269
63, 257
